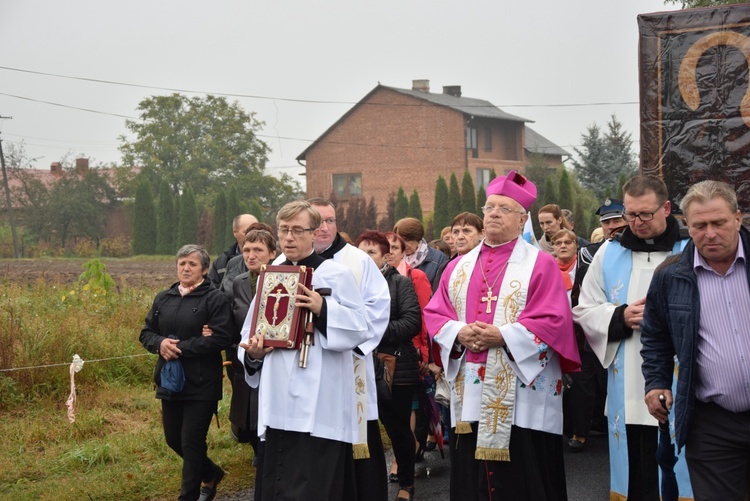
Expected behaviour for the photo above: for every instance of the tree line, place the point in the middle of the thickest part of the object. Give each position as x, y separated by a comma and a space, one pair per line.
200, 162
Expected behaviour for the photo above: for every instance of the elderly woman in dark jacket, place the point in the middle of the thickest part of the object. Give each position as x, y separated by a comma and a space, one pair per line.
405, 323
173, 330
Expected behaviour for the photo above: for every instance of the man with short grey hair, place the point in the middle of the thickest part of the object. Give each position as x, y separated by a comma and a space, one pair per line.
240, 225
697, 309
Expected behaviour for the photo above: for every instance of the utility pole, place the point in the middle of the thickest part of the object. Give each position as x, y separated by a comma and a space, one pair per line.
8, 204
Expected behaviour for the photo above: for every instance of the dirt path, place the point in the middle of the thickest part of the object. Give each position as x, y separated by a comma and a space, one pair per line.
156, 275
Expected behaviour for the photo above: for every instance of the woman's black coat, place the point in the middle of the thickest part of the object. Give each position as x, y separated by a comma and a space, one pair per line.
184, 317
404, 324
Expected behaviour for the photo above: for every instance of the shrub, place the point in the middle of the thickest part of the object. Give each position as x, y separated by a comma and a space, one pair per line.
85, 247
115, 247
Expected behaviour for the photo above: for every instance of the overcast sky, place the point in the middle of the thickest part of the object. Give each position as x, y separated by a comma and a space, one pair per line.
305, 63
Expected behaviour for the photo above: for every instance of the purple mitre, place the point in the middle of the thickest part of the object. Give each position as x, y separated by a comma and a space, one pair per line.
514, 186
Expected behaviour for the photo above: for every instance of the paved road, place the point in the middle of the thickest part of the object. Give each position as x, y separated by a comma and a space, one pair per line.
587, 475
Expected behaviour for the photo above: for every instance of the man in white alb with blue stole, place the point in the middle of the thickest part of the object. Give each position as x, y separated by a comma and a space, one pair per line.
503, 324
609, 311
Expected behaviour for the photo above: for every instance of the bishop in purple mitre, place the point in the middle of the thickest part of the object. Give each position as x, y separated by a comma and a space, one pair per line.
502, 321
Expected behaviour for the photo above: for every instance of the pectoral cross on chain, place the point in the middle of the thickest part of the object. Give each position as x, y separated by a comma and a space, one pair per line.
488, 299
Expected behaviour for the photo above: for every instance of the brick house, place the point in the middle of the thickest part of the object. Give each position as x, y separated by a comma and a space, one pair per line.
408, 137
118, 218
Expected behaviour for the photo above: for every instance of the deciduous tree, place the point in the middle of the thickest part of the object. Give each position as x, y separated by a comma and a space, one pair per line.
199, 141
689, 4
209, 143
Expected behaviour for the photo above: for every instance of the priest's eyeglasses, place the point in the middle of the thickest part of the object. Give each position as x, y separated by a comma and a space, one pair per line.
295, 231
489, 209
643, 216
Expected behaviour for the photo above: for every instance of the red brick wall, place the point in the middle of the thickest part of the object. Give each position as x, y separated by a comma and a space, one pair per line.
394, 140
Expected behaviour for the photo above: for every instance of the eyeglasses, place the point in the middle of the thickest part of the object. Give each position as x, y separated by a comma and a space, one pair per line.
329, 221
643, 216
296, 231
563, 242
489, 209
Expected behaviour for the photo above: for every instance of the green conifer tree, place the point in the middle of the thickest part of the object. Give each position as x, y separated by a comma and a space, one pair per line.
166, 221
389, 220
234, 209
565, 190
582, 221
440, 216
256, 209
468, 197
481, 200
550, 191
220, 224
621, 183
355, 217
144, 219
177, 200
454, 198
401, 210
371, 215
415, 206
187, 228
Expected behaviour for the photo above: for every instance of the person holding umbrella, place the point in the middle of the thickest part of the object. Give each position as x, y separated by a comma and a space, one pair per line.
696, 310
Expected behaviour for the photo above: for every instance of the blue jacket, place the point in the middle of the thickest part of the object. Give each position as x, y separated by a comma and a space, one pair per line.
431, 263
670, 327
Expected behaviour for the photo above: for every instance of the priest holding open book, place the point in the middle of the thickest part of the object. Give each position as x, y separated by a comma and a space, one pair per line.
307, 415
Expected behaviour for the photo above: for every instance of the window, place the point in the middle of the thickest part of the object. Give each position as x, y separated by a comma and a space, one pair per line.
347, 185
483, 178
487, 139
471, 141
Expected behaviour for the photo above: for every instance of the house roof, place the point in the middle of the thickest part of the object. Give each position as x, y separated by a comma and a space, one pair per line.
536, 143
466, 105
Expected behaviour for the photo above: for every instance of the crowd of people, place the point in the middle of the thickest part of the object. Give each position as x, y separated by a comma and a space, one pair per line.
533, 337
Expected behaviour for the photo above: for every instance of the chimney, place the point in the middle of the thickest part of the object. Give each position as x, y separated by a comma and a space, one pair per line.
421, 85
56, 169
82, 165
452, 90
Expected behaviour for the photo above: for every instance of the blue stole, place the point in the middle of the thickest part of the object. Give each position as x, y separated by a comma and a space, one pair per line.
617, 267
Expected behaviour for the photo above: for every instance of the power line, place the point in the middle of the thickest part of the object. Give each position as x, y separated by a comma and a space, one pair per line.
67, 106
295, 100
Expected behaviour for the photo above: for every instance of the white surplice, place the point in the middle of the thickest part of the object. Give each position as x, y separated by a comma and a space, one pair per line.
319, 399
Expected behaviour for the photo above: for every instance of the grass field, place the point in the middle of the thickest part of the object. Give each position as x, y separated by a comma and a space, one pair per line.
115, 448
